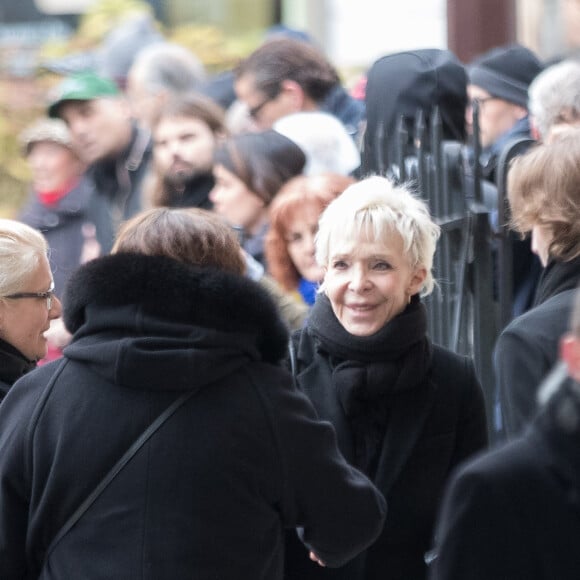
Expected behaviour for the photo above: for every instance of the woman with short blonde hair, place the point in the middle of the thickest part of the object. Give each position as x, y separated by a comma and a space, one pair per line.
406, 412
27, 300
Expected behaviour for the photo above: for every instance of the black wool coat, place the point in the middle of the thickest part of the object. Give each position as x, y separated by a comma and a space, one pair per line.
527, 348
431, 430
13, 365
209, 495
514, 513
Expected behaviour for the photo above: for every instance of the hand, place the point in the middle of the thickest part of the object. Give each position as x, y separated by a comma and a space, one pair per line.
316, 559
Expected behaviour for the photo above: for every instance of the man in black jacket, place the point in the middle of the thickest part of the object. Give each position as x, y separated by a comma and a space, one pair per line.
109, 141
514, 513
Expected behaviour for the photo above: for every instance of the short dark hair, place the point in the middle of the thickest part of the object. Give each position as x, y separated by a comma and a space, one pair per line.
282, 59
263, 161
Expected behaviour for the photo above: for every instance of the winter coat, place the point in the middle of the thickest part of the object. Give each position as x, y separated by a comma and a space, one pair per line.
429, 431
514, 513
62, 226
528, 347
13, 365
118, 183
209, 495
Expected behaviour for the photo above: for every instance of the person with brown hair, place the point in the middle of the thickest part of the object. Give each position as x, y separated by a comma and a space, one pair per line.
249, 170
169, 433
544, 196
186, 132
289, 245
285, 76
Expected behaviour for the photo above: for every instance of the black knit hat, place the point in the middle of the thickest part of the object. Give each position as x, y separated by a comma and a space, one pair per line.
506, 72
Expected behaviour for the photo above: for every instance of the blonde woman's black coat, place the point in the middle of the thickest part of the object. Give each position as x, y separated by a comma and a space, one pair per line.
432, 429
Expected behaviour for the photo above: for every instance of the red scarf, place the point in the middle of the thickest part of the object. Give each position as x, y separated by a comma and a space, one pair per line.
53, 196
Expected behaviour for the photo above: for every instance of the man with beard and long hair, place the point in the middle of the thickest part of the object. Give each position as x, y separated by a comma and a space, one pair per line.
185, 134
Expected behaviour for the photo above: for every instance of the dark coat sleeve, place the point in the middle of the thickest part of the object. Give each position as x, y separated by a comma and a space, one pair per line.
476, 528
15, 418
338, 510
472, 435
471, 429
519, 367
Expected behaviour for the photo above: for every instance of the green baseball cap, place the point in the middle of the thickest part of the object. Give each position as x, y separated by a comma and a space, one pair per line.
84, 86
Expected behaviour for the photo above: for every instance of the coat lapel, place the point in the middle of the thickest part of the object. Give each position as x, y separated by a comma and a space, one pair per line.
407, 419
327, 404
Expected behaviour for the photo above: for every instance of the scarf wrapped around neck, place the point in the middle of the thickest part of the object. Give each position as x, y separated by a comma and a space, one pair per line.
368, 370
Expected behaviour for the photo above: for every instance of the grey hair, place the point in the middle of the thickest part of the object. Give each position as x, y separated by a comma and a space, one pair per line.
21, 249
165, 66
375, 208
554, 96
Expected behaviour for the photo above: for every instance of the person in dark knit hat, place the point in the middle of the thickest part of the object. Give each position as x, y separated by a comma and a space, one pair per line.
499, 81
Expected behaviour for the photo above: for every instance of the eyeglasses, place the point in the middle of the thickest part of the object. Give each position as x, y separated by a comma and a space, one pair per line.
480, 101
48, 296
255, 111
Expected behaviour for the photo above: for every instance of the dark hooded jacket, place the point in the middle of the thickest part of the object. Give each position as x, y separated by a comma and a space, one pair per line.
400, 86
209, 494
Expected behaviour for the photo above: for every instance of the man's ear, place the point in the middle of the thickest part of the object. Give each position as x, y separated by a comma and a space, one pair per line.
294, 94
519, 112
570, 354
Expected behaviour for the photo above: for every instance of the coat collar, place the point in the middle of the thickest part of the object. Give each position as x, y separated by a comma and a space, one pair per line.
162, 290
407, 418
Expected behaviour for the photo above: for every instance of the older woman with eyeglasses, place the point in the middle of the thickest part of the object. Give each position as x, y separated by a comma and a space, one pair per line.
27, 302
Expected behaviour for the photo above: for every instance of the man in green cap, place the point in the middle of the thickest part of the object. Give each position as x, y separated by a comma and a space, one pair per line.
106, 137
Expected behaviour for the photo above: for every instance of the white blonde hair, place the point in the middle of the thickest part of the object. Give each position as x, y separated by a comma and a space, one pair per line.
21, 249
375, 209
554, 96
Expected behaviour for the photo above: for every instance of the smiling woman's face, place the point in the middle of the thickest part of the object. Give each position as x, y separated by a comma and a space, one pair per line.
368, 283
23, 321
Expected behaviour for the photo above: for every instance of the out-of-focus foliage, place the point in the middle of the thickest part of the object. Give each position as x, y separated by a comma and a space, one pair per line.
211, 46
215, 49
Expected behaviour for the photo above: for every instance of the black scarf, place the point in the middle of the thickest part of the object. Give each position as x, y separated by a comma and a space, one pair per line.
557, 277
13, 364
368, 370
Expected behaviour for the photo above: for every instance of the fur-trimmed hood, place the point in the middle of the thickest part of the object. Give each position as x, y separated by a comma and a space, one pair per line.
152, 322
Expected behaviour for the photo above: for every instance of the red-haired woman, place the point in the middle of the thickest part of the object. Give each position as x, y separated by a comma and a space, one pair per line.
289, 246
